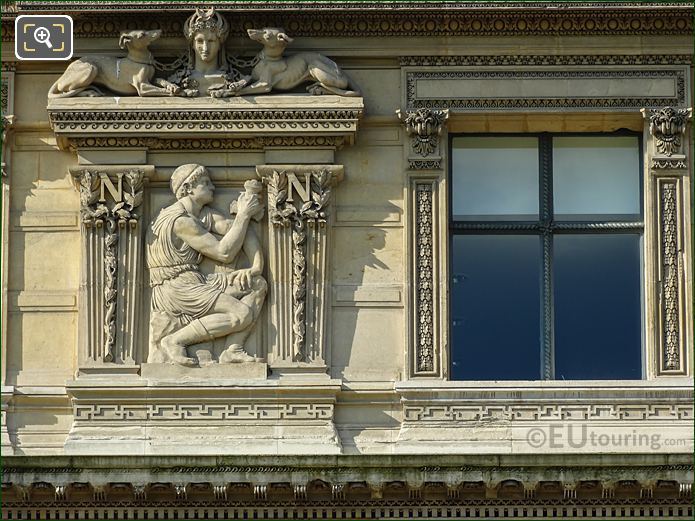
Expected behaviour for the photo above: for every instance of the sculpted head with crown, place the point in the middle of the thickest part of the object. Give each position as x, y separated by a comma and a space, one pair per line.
206, 32
207, 69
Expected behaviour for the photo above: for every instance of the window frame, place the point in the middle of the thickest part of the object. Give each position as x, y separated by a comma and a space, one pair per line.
546, 228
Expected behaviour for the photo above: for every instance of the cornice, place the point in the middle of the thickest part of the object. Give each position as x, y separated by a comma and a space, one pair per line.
247, 5
234, 123
351, 20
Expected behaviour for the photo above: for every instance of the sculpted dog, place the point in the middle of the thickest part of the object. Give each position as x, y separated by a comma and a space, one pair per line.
276, 72
131, 75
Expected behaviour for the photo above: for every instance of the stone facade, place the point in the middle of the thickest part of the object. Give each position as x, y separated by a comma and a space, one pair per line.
337, 400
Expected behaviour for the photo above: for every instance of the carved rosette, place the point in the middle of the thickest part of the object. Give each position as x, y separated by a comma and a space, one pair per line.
668, 182
424, 126
298, 199
110, 199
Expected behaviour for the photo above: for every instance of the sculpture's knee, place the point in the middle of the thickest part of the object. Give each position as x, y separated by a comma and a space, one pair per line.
259, 285
243, 316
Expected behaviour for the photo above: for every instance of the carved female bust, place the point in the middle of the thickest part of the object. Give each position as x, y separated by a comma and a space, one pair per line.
207, 69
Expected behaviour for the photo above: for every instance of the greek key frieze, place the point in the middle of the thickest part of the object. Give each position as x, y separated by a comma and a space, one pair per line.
200, 411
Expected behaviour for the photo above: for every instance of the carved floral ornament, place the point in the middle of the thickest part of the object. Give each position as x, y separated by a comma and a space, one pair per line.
668, 127
129, 195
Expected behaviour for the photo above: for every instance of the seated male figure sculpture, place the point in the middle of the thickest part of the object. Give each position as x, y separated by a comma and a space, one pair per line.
205, 307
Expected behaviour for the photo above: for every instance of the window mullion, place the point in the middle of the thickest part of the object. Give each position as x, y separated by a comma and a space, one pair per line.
546, 226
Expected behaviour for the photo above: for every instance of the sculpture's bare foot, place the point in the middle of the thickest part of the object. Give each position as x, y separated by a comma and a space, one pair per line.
235, 354
177, 353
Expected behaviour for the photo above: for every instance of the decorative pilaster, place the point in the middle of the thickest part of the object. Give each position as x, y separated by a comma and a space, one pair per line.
8, 121
299, 228
110, 207
667, 187
424, 154
424, 126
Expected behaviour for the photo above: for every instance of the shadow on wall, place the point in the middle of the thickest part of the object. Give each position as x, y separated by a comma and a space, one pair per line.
364, 324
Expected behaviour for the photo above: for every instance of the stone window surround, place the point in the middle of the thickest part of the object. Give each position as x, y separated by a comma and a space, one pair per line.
425, 173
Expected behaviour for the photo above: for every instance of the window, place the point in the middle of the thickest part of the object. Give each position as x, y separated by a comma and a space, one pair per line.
546, 235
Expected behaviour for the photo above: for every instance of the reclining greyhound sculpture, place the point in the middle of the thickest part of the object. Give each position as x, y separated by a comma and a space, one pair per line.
276, 72
131, 75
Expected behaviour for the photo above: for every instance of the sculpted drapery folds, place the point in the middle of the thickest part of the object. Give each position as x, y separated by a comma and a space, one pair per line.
189, 307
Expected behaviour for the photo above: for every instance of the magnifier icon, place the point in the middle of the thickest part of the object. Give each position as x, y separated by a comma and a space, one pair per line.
43, 35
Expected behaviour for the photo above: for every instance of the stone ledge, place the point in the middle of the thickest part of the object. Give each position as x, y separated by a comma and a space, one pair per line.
262, 117
214, 372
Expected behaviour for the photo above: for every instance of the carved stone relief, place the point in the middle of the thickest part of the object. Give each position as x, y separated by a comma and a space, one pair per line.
668, 126
670, 266
205, 69
298, 200
424, 278
188, 307
110, 203
425, 127
127, 76
273, 71
404, 19
8, 120
669, 178
8, 117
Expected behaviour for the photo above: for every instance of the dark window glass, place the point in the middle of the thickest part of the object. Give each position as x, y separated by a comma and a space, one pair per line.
495, 298
546, 257
597, 307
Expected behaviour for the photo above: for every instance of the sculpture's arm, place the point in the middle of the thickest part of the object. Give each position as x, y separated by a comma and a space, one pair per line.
253, 251
225, 250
